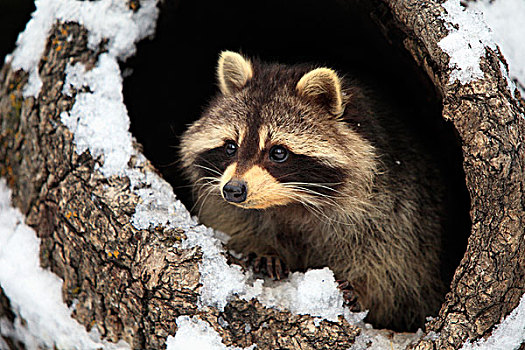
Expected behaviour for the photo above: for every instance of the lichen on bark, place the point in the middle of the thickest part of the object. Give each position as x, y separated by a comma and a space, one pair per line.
133, 284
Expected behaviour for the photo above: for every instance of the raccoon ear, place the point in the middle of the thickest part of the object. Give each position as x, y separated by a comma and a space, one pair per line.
233, 72
322, 85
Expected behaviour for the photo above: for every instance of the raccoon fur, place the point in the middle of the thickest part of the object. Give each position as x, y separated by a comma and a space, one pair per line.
298, 163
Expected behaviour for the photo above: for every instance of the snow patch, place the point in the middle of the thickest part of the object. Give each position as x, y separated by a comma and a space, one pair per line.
506, 19
220, 281
31, 42
195, 334
508, 335
159, 205
510, 83
315, 292
34, 84
99, 119
36, 294
100, 125
466, 41
111, 19
312, 293
374, 339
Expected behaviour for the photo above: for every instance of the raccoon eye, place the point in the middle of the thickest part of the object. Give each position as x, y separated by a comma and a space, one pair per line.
230, 148
278, 154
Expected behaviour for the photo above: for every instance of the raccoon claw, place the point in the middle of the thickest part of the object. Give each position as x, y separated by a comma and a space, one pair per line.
272, 266
349, 296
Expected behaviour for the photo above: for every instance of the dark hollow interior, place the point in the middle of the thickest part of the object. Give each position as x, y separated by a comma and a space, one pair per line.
14, 14
173, 77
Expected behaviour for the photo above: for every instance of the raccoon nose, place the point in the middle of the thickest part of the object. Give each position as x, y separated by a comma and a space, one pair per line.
235, 191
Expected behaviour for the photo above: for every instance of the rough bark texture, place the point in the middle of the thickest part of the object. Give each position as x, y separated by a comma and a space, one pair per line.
490, 280
132, 284
129, 283
7, 315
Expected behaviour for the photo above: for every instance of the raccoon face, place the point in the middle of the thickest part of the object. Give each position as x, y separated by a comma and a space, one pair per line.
274, 137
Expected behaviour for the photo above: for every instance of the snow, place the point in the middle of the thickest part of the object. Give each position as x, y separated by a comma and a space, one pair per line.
159, 205
220, 281
314, 292
510, 83
483, 24
466, 41
374, 339
100, 124
99, 119
195, 334
34, 84
508, 335
43, 319
111, 19
506, 19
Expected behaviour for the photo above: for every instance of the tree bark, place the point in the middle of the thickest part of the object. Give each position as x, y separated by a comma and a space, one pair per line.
132, 284
490, 279
7, 316
129, 283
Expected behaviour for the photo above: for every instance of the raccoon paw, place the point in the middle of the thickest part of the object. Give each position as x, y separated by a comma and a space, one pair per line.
350, 297
270, 265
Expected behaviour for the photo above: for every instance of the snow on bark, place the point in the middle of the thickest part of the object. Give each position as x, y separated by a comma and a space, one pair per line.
43, 319
466, 41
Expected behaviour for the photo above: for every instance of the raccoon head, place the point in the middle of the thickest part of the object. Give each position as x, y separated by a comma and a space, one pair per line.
276, 135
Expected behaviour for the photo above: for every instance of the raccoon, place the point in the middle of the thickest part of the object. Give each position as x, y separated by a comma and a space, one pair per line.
299, 165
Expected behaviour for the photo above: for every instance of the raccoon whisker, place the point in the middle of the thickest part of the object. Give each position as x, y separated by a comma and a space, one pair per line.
209, 169
200, 194
211, 164
209, 179
359, 204
324, 185
311, 206
211, 183
201, 186
315, 208
320, 207
183, 186
319, 214
213, 168
299, 198
317, 183
330, 221
203, 202
208, 193
330, 199
313, 192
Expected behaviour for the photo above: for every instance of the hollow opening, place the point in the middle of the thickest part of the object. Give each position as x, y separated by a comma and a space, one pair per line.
14, 14
173, 78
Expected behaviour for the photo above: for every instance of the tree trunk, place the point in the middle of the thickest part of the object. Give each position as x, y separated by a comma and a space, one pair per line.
132, 284
8, 317
490, 279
